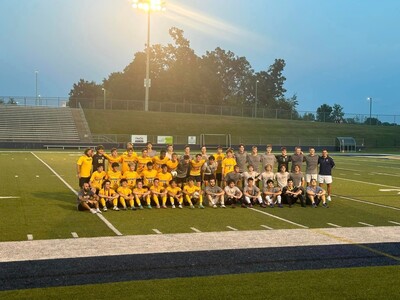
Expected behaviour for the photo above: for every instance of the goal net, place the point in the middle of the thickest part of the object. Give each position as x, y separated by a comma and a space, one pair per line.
213, 140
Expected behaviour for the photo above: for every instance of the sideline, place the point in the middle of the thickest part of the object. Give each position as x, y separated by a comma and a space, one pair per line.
109, 225
366, 202
370, 183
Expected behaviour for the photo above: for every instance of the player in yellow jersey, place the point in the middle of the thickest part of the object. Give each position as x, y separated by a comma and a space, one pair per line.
173, 164
174, 192
228, 164
164, 176
193, 192
114, 175
159, 160
108, 197
125, 195
195, 168
130, 157
148, 175
114, 157
97, 178
131, 176
219, 157
142, 161
84, 167
141, 194
158, 191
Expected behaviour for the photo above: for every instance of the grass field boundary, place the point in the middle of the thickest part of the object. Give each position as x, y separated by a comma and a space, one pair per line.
370, 183
279, 218
101, 217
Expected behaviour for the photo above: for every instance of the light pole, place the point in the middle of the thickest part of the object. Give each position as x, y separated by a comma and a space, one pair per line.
104, 98
148, 6
36, 87
255, 102
370, 110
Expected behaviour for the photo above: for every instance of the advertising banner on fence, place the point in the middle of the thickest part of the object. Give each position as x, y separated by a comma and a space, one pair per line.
192, 140
165, 139
139, 139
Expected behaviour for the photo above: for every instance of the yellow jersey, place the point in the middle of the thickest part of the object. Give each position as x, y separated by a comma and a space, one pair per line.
131, 176
172, 165
97, 178
114, 177
165, 178
124, 191
139, 192
219, 157
187, 189
85, 163
126, 159
158, 189
157, 162
148, 176
141, 163
195, 167
108, 192
228, 165
173, 191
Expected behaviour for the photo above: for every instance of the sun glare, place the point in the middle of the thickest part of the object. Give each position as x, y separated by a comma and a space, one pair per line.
146, 5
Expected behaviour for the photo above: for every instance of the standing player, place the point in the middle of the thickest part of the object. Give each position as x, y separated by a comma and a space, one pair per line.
142, 161
150, 151
195, 168
159, 160
311, 165
268, 158
283, 159
114, 175
214, 194
219, 157
173, 164
204, 154
297, 158
84, 167
250, 173
326, 164
209, 169
298, 178
254, 159
99, 158
182, 170
114, 157
241, 157
228, 164
170, 151
128, 158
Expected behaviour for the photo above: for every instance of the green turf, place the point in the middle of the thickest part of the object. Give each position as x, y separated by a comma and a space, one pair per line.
46, 207
351, 283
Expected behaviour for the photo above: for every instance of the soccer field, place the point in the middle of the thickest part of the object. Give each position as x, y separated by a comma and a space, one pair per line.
37, 202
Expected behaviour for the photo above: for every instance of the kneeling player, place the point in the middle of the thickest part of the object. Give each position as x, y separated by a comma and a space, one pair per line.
273, 194
87, 199
174, 192
193, 192
141, 194
125, 195
214, 194
108, 197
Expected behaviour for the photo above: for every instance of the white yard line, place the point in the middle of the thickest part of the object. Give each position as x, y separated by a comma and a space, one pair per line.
195, 229
266, 227
369, 183
231, 228
8, 197
367, 202
334, 225
29, 237
396, 223
109, 225
366, 224
279, 218
74, 235
385, 174
157, 231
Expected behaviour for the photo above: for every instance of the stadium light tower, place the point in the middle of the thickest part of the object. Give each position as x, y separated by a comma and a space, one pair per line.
255, 102
148, 6
36, 87
370, 110
104, 97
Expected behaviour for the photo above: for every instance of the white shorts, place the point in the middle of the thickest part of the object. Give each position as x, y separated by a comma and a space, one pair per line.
325, 179
311, 176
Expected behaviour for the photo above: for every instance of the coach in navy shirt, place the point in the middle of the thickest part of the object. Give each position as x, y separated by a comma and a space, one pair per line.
326, 165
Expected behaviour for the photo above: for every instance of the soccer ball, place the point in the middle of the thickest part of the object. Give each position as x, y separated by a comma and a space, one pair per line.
196, 195
174, 173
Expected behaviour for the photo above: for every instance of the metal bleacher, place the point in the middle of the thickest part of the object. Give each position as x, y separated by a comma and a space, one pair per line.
37, 124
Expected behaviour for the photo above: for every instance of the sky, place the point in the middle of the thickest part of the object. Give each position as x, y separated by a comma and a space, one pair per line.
341, 51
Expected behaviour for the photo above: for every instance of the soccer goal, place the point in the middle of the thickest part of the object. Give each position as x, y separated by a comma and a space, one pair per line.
213, 140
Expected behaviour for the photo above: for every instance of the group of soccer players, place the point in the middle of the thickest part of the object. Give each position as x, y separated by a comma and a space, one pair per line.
150, 179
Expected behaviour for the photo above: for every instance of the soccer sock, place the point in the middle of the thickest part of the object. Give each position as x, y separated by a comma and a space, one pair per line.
115, 201
188, 200
268, 198
180, 200
172, 200
122, 201
201, 199
103, 202
138, 201
148, 200
131, 202
155, 199
247, 200
279, 198
259, 200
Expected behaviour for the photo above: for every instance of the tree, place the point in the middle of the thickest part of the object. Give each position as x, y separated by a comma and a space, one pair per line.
324, 113
337, 113
372, 121
309, 117
84, 91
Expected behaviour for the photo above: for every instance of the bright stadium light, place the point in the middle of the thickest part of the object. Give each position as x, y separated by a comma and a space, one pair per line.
370, 110
148, 6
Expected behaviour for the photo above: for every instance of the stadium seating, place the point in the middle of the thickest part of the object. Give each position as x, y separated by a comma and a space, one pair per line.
38, 124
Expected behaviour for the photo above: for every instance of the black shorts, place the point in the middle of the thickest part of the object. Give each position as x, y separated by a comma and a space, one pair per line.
218, 177
197, 178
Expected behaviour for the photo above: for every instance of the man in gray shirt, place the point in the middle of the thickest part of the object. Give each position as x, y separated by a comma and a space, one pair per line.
268, 158
241, 159
254, 159
311, 165
297, 158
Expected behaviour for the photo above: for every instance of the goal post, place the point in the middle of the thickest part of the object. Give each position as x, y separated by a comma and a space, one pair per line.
213, 140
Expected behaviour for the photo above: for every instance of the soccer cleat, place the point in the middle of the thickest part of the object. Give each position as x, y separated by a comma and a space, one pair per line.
201, 206
325, 205
244, 205
158, 206
164, 206
98, 211
251, 205
140, 207
280, 205
192, 206
115, 208
314, 205
105, 208
328, 198
124, 208
223, 206
233, 205
263, 205
92, 211
133, 208
214, 206
271, 205
173, 205
149, 207
180, 206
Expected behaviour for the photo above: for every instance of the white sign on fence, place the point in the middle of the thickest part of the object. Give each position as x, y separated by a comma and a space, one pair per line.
139, 139
192, 140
